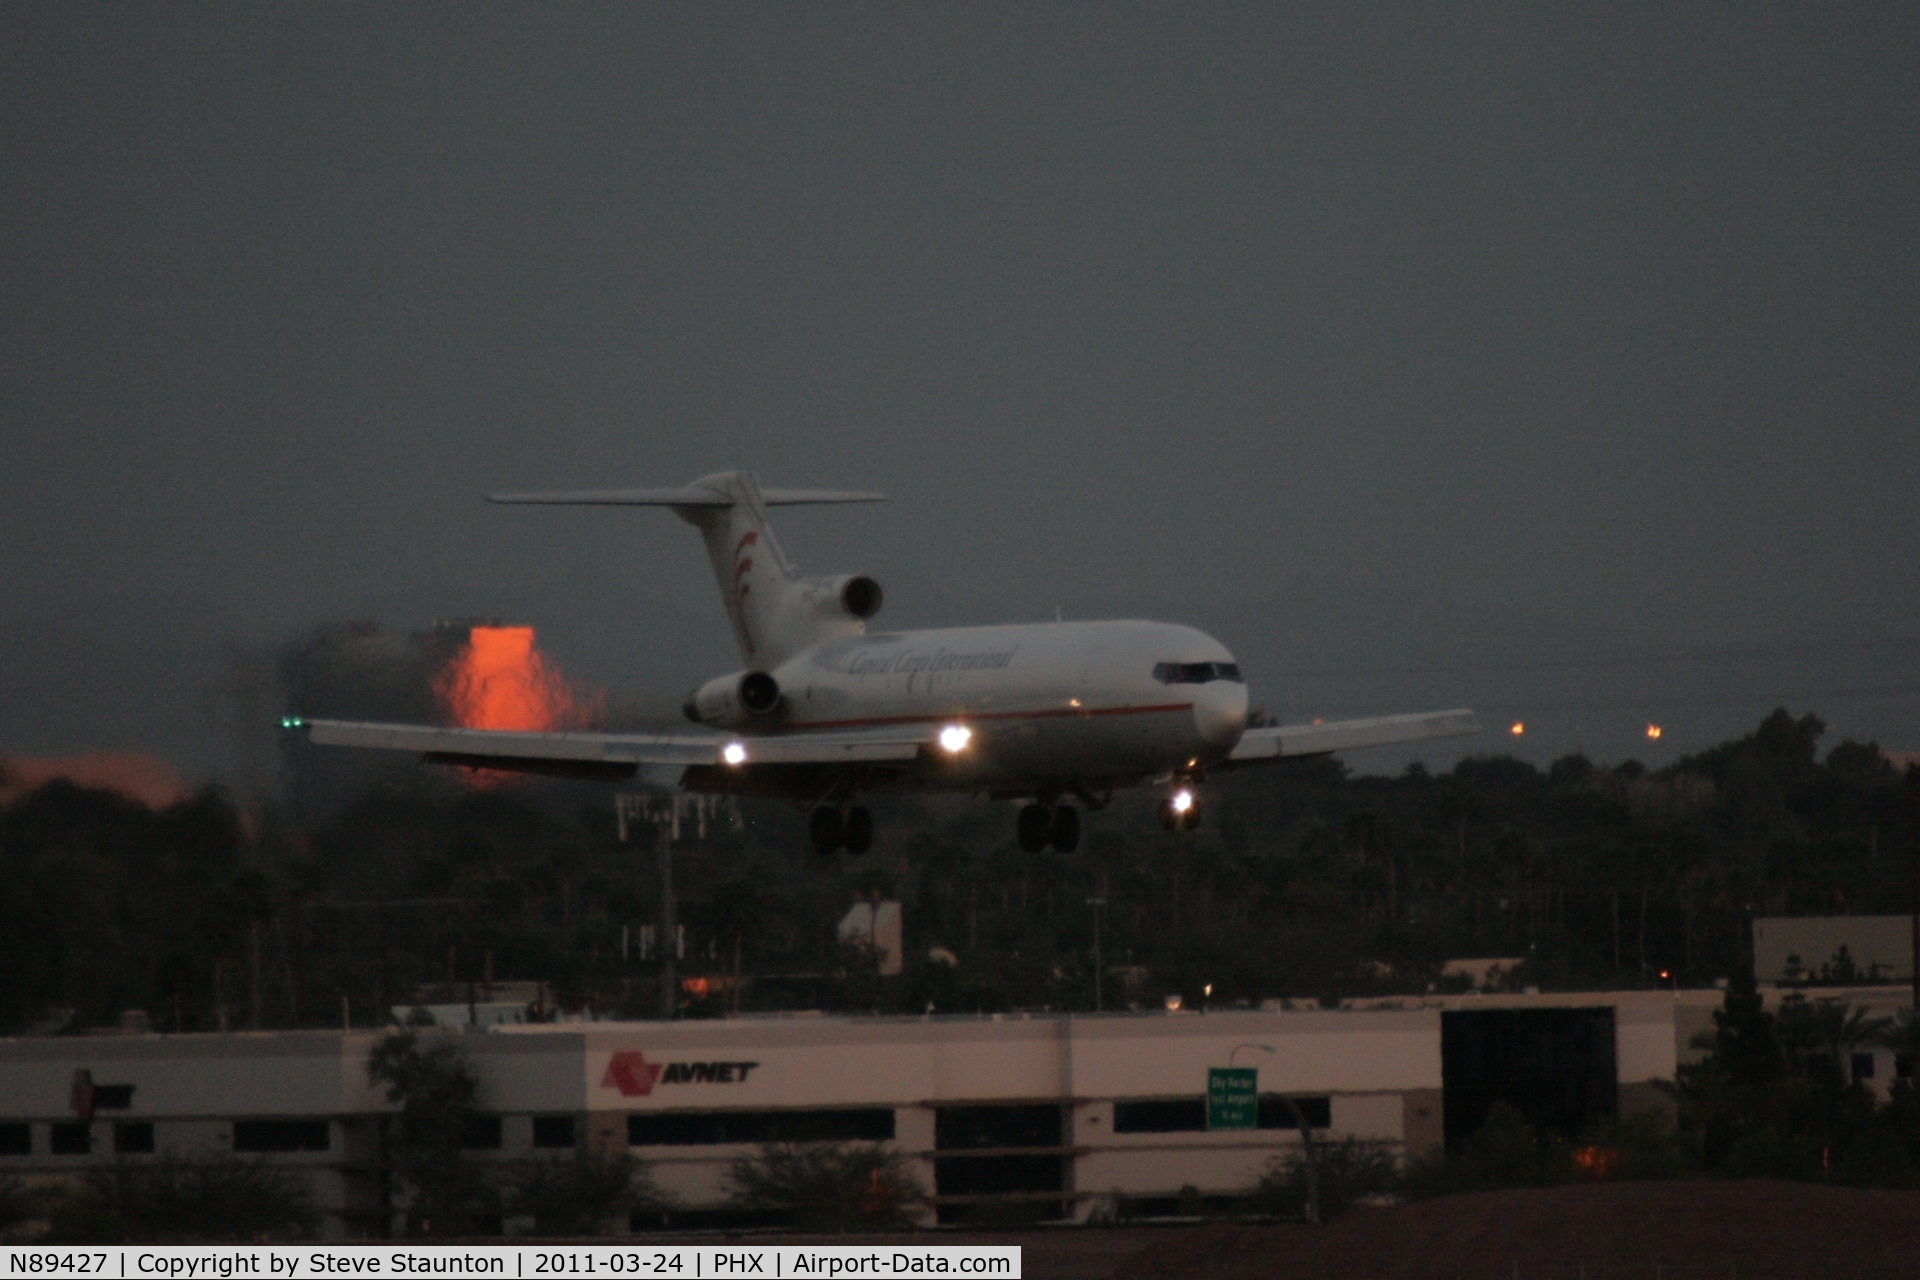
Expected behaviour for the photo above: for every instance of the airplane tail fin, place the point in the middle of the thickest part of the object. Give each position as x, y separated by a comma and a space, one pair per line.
774, 613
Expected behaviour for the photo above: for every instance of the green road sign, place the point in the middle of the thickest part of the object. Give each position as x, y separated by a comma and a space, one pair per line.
1232, 1097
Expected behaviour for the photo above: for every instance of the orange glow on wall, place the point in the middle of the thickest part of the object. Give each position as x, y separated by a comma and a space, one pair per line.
501, 681
146, 778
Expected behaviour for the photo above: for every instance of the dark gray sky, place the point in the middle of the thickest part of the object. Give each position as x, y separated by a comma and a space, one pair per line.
1560, 363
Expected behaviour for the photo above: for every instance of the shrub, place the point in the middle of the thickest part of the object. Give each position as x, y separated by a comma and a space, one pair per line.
1506, 1152
578, 1194
179, 1200
1349, 1170
828, 1186
1644, 1147
18, 1205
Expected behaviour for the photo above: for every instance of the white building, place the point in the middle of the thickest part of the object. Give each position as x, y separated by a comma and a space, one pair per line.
1073, 1115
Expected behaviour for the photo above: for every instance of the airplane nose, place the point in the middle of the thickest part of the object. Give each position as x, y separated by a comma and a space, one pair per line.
1220, 712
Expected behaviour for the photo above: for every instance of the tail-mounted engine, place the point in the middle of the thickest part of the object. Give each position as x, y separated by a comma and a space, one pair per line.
852, 595
729, 701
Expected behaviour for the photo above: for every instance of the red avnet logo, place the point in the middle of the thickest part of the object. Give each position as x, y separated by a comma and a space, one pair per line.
631, 1073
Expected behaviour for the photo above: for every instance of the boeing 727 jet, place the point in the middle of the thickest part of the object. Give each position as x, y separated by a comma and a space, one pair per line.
824, 710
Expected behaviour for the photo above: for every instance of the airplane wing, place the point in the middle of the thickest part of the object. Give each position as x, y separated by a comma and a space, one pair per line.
1273, 742
604, 755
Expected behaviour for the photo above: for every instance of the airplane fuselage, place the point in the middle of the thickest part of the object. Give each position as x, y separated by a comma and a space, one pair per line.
1086, 705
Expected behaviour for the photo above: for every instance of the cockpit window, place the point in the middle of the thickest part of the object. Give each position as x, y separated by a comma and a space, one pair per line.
1196, 672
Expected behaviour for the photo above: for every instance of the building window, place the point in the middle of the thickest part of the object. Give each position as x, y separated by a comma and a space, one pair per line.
482, 1133
976, 1128
72, 1139
1555, 1066
1189, 1115
16, 1138
553, 1131
1177, 1115
1863, 1066
133, 1138
1276, 1114
710, 1128
282, 1135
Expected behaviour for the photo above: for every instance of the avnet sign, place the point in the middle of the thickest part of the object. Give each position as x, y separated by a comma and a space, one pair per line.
631, 1073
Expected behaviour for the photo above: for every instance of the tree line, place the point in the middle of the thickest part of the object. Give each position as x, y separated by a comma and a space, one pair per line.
1307, 884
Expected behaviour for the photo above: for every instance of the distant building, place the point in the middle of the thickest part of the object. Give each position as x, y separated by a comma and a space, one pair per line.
1833, 949
1053, 1116
877, 925
1485, 973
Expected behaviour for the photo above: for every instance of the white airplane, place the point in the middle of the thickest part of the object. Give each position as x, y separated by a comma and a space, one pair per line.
824, 710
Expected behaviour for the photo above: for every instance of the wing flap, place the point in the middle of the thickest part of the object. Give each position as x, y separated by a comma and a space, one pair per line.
1273, 742
611, 754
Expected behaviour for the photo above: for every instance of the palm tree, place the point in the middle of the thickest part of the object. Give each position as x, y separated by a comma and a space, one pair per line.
1827, 1030
1901, 1033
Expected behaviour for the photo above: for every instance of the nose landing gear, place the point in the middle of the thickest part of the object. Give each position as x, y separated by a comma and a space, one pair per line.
832, 829
1181, 810
1041, 825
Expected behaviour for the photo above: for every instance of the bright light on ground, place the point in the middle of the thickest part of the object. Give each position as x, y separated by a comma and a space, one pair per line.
734, 753
954, 739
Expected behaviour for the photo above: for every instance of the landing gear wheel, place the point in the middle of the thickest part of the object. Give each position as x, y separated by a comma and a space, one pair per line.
859, 831
1066, 828
827, 830
1034, 826
1175, 817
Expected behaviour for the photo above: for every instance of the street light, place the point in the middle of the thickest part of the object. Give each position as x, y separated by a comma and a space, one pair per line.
1311, 1159
1264, 1048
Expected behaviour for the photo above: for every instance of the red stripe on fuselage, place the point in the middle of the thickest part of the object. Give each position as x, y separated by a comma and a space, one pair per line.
874, 722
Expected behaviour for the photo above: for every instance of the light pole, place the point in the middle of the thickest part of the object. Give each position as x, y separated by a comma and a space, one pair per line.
1308, 1156
1099, 1003
1913, 822
665, 816
1264, 1048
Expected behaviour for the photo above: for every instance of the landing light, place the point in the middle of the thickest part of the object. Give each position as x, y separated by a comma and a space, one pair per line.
1653, 732
291, 722
734, 753
1182, 800
1519, 727
954, 739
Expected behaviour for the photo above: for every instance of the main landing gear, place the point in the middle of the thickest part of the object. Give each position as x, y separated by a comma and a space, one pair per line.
1041, 825
834, 829
1180, 811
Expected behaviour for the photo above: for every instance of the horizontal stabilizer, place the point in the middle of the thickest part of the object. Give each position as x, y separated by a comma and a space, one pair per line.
693, 496
1273, 742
